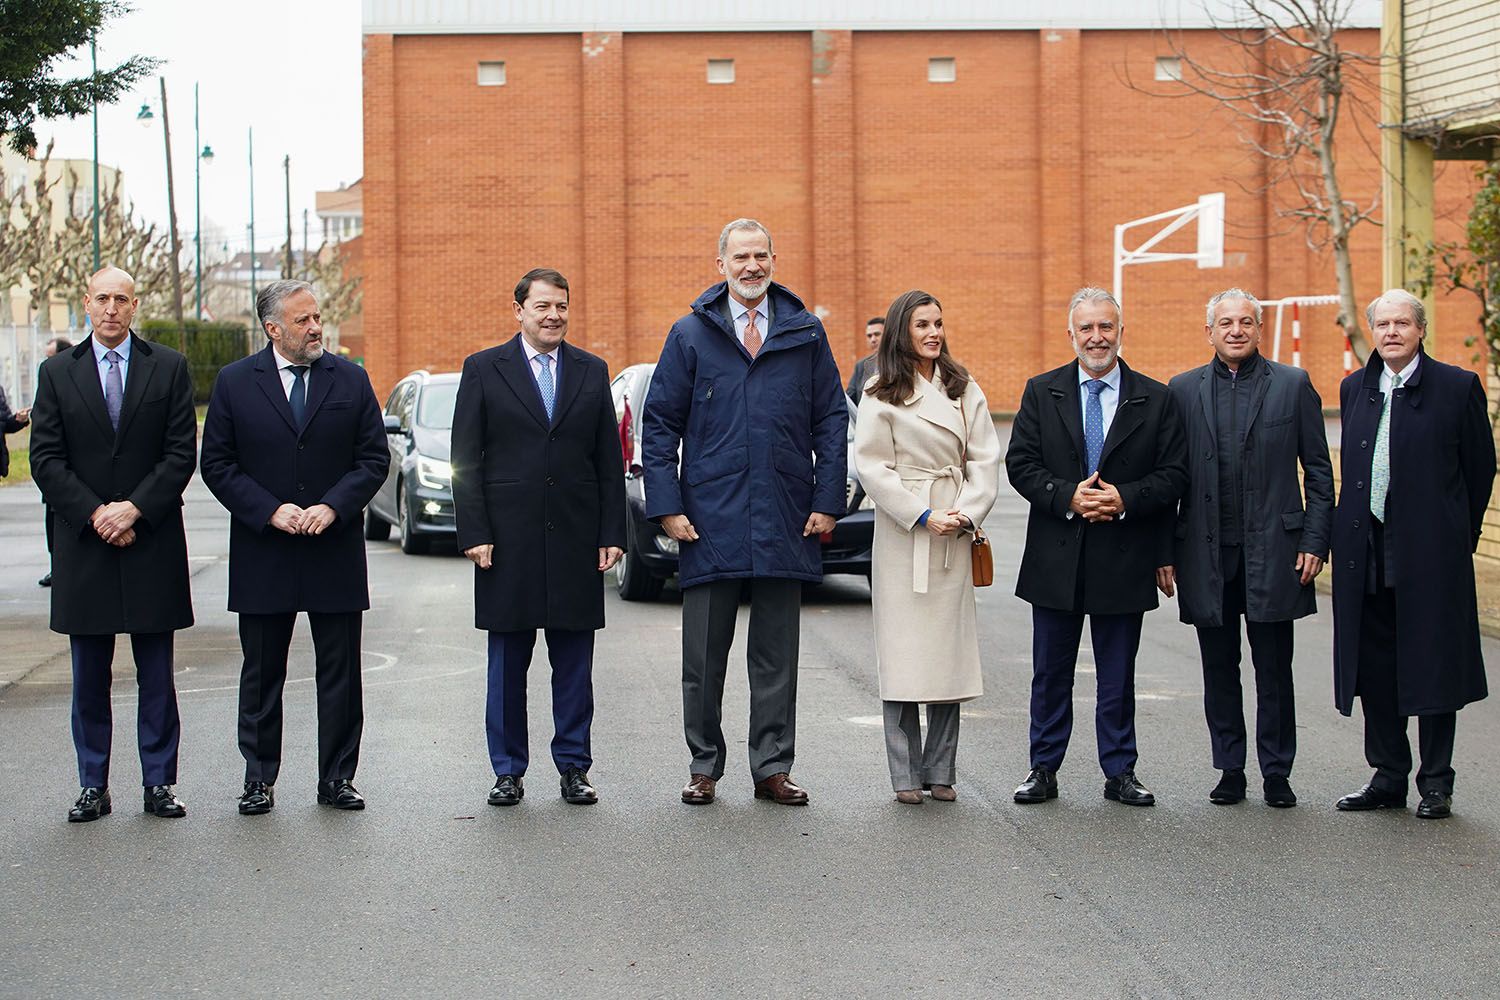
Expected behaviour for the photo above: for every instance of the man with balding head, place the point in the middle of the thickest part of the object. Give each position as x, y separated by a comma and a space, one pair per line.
1418, 463
112, 449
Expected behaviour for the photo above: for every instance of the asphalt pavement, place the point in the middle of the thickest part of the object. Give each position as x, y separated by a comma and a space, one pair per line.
431, 892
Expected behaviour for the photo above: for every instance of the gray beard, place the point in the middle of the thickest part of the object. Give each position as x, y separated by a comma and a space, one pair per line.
747, 293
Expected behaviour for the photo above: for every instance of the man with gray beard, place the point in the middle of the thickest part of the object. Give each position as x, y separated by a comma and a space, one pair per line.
1099, 453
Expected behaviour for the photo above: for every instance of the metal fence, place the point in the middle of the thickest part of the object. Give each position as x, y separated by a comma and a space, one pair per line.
22, 349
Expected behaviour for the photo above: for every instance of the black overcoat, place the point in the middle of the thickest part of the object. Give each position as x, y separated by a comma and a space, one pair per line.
546, 495
254, 460
80, 462
1144, 457
1442, 471
1285, 428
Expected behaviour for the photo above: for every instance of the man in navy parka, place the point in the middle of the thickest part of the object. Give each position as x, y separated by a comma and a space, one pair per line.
748, 388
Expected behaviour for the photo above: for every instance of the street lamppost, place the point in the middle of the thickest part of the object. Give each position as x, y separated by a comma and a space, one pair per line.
253, 261
204, 158
144, 117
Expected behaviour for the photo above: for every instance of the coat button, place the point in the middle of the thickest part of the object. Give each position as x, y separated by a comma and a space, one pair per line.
1210, 538
1061, 542
1356, 524
1360, 485
549, 525
1351, 563
1363, 443
1208, 456
549, 481
301, 445
1208, 497
300, 487
1049, 487
552, 438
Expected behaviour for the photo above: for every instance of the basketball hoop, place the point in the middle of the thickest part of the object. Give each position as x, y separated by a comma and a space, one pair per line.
1207, 211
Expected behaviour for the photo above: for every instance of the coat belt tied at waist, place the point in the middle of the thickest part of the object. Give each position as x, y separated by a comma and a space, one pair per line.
922, 544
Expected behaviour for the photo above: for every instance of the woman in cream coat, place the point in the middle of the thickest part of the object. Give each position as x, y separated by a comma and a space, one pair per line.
928, 456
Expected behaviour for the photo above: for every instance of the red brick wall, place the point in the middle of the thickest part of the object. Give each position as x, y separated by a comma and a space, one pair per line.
611, 158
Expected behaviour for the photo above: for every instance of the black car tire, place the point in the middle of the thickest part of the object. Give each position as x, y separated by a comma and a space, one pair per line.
412, 543
635, 581
377, 528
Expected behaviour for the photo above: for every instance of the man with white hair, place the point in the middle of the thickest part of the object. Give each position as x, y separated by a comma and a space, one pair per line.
1418, 464
1247, 544
1098, 452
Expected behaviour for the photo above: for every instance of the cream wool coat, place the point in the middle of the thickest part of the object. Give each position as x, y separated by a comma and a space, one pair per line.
922, 590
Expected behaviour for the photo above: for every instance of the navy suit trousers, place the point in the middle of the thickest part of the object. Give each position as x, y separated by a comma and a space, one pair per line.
572, 658
1054, 653
157, 726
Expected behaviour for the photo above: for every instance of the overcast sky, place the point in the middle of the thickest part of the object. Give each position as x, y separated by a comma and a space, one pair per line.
289, 70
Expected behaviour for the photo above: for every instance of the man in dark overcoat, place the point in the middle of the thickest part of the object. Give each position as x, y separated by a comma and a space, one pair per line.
748, 394
1098, 452
112, 442
294, 447
1418, 463
1246, 544
539, 498
867, 366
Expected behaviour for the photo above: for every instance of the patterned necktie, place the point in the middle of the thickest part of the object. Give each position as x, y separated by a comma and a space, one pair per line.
1093, 424
544, 383
114, 388
298, 398
752, 335
1380, 464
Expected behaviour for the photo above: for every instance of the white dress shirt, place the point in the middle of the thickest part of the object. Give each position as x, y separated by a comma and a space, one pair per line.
1388, 377
288, 377
103, 365
740, 313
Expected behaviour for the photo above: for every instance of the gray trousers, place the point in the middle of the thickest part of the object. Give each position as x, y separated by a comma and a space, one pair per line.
912, 764
708, 619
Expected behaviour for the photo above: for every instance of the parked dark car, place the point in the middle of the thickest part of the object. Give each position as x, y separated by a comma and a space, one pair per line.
417, 496
651, 557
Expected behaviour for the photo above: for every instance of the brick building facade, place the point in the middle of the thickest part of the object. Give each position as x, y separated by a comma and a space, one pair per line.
610, 156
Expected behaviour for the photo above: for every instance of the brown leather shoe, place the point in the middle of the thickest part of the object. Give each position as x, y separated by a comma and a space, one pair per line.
779, 789
944, 793
909, 797
699, 790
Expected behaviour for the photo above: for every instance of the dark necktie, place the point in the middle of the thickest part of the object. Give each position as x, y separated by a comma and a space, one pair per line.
114, 388
298, 398
1093, 424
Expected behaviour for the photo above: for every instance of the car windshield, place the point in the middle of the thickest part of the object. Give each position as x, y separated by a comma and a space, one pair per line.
436, 407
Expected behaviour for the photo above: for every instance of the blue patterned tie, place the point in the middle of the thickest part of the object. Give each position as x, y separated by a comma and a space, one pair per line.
544, 383
1093, 424
114, 388
298, 398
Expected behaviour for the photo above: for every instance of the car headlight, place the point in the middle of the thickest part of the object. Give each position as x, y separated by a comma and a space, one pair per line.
434, 474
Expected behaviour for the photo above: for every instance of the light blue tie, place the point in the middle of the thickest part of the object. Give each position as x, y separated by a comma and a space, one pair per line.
1093, 424
1380, 462
114, 388
545, 384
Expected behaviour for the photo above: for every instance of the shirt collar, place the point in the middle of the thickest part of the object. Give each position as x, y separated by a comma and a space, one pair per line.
282, 362
1405, 373
123, 350
1112, 379
532, 353
738, 308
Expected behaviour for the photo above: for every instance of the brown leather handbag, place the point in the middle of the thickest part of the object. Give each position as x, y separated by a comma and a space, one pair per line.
981, 556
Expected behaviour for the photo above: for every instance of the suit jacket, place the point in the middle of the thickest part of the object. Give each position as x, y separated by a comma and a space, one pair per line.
1285, 428
546, 494
1442, 456
863, 369
79, 461
1144, 457
255, 459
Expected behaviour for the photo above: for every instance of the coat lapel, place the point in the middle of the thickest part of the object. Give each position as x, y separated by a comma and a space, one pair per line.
1206, 399
1064, 389
142, 367
317, 388
934, 406
268, 377
85, 375
572, 381
1129, 414
1258, 395
511, 363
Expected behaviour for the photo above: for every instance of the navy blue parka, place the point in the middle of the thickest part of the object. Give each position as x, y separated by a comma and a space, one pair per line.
763, 442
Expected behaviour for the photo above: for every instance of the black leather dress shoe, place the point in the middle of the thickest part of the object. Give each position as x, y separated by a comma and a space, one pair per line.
1039, 786
576, 788
1279, 793
507, 791
1435, 805
45, 581
257, 798
340, 794
1230, 789
1370, 797
1126, 788
92, 803
161, 802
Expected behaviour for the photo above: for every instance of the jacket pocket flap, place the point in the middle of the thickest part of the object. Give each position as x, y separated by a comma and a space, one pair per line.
337, 404
715, 465
793, 464
1292, 520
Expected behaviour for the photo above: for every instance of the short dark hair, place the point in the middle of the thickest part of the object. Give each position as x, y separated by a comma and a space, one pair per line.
875, 321
543, 274
60, 344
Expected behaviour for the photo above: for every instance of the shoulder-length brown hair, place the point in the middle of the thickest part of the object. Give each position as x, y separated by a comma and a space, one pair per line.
898, 359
